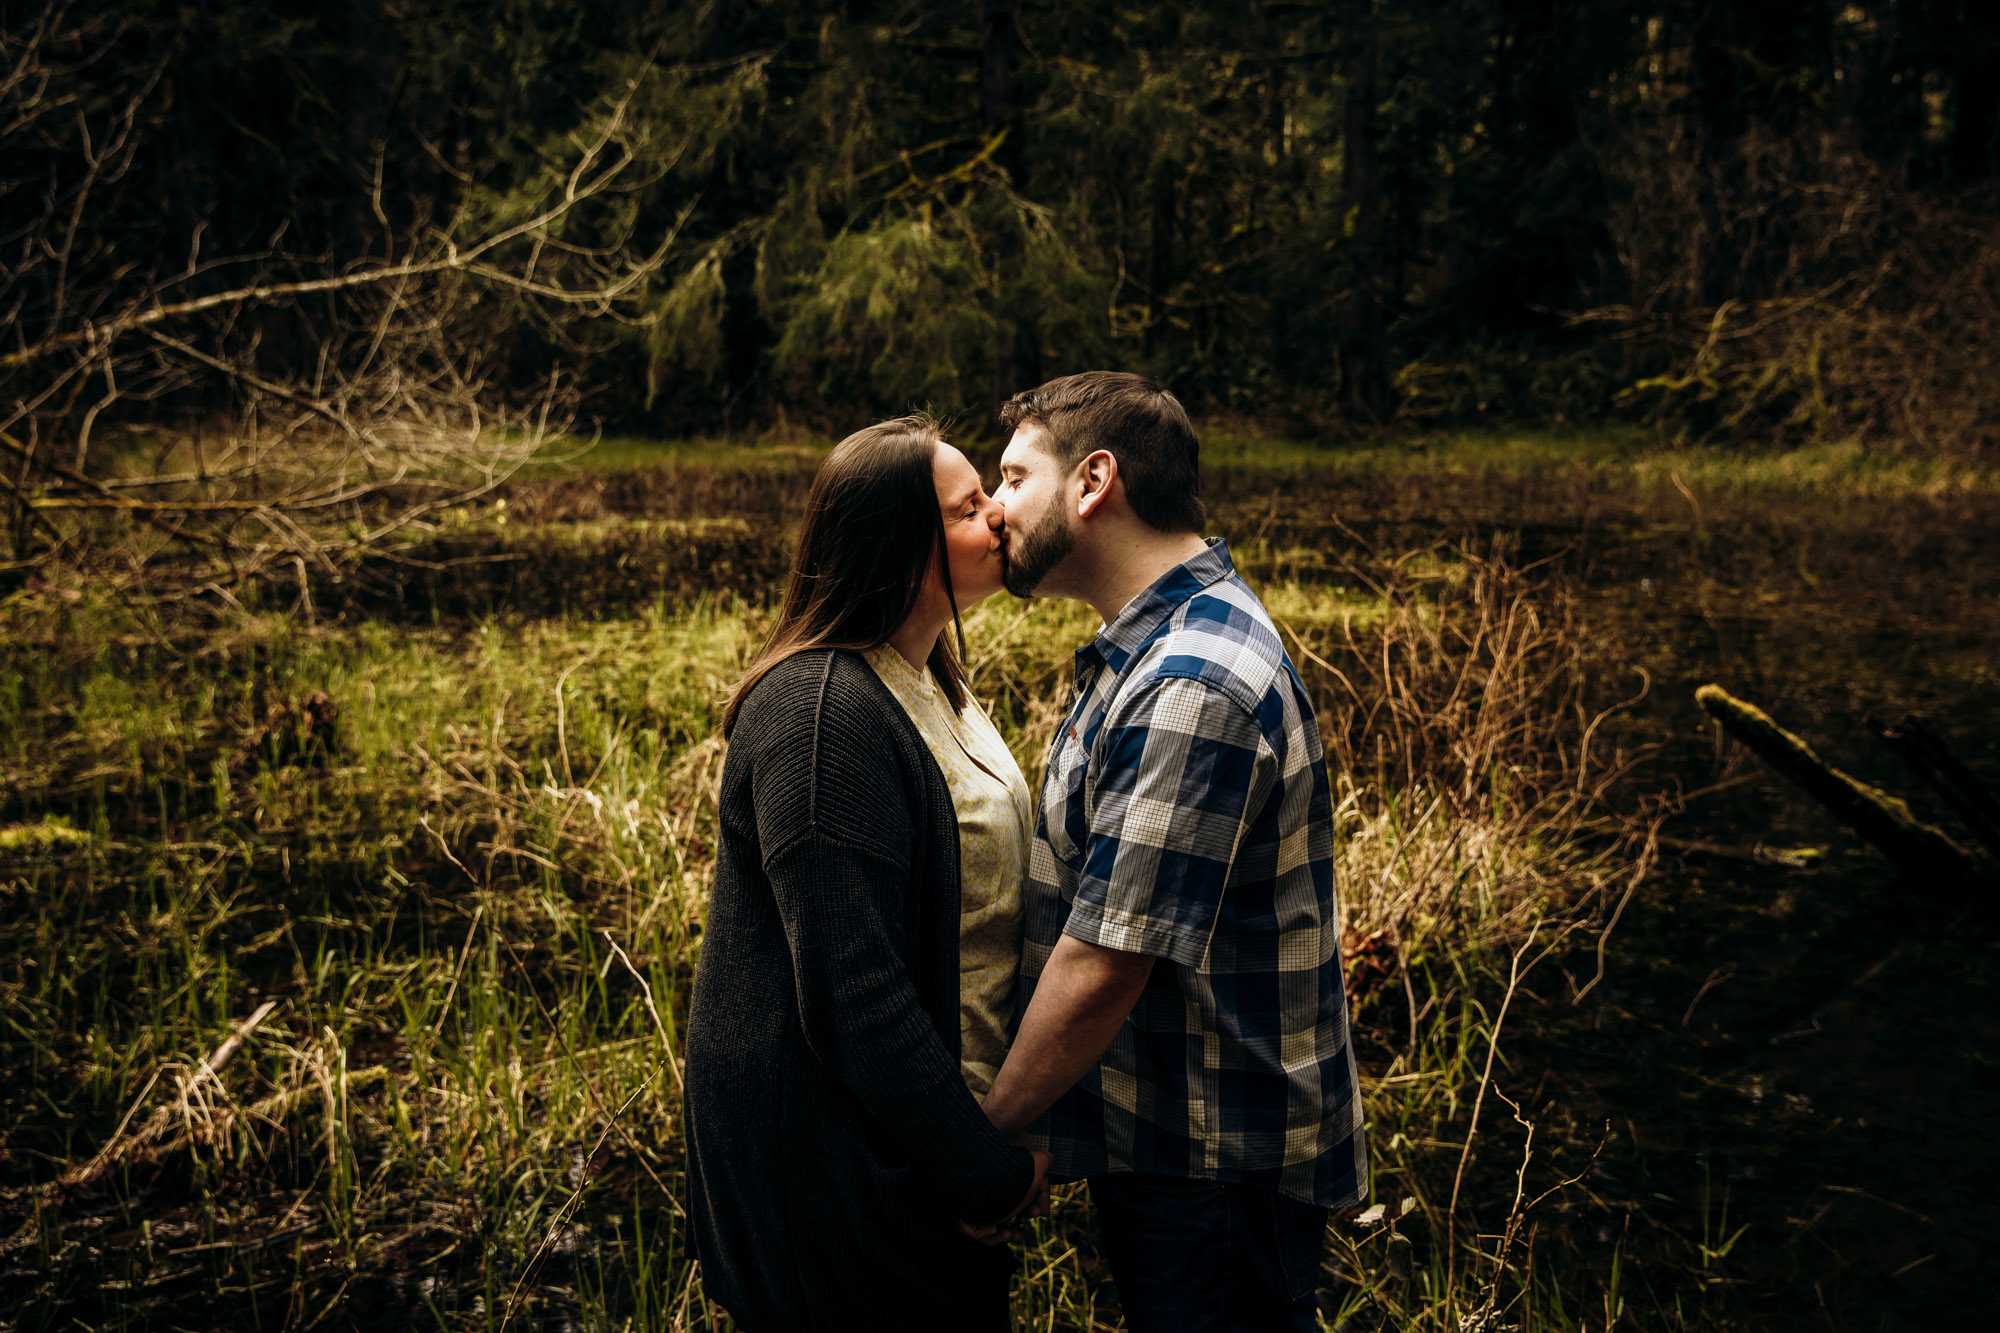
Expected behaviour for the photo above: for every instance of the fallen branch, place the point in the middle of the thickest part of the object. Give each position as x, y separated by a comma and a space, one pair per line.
1926, 755
119, 1148
1927, 858
116, 1149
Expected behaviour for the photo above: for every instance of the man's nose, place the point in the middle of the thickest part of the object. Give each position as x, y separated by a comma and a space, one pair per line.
996, 516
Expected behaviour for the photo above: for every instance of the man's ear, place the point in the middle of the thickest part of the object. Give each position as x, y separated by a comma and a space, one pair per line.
1097, 474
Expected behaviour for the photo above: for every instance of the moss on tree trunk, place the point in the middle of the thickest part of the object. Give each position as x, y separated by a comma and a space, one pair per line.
1925, 855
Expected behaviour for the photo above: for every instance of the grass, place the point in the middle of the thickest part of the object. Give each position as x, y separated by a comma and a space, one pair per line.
621, 453
1618, 459
1623, 456
475, 898
433, 893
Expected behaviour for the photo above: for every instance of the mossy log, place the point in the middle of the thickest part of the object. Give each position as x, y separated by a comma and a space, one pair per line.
1926, 755
1925, 855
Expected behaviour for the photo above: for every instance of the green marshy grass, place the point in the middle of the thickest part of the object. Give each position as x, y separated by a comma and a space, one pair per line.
429, 894
336, 886
1848, 469
432, 894
427, 891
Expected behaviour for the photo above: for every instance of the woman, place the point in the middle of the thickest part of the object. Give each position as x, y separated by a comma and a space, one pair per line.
856, 985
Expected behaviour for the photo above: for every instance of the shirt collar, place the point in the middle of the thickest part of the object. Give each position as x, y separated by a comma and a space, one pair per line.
910, 686
1132, 627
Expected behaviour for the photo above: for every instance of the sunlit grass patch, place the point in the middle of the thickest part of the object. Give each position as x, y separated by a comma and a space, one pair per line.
1848, 470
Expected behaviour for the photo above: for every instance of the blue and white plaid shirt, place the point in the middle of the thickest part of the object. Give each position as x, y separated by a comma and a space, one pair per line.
1185, 813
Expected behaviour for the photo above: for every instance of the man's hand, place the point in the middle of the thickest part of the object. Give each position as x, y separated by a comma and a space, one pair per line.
1083, 997
1034, 1204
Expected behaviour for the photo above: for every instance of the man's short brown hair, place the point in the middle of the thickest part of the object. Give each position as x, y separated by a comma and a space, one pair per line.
1134, 420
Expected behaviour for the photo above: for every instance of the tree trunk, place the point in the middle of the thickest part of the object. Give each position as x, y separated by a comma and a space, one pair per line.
1364, 363
1016, 352
1975, 137
746, 336
1717, 118
364, 127
1166, 189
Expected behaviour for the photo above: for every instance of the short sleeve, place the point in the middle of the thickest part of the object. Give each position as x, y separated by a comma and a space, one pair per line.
1182, 770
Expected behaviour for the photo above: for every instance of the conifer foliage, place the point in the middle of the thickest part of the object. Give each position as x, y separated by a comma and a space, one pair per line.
1348, 211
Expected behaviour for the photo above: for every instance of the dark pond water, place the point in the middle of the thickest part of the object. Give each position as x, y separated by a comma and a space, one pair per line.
1796, 1062
1791, 1067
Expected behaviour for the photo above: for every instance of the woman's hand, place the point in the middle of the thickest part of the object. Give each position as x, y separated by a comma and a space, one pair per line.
1034, 1204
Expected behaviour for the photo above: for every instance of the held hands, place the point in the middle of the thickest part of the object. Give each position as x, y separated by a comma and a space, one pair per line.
1034, 1204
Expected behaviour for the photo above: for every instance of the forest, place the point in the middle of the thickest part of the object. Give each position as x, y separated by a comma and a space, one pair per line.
1733, 220
406, 411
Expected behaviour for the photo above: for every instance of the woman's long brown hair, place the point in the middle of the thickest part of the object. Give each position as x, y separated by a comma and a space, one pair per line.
872, 531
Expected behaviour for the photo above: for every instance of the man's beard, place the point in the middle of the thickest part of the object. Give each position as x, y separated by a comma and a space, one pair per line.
1032, 553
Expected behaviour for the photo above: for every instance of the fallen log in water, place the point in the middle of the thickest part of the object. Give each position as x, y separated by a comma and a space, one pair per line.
1928, 858
1926, 755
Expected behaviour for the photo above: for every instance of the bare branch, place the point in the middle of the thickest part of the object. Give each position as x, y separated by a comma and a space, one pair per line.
374, 411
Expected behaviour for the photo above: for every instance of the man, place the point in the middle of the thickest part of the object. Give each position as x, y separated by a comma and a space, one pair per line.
1183, 1042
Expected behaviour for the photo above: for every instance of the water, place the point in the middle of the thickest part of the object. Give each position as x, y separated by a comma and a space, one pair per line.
1796, 1062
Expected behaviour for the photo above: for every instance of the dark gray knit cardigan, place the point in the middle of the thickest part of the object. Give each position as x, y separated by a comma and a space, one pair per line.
831, 1140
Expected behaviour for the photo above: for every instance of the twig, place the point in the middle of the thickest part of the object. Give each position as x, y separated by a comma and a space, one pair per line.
464, 952
1514, 974
646, 989
425, 823
156, 1124
245, 1246
1715, 978
562, 737
1645, 863
1319, 661
568, 1209
589, 1089
1518, 1213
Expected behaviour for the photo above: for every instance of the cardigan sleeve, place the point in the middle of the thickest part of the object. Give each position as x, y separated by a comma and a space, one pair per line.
836, 832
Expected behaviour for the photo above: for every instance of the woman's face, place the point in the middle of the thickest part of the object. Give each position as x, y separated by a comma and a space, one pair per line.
972, 519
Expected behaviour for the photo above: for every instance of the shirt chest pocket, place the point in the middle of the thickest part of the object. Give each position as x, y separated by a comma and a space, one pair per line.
1067, 820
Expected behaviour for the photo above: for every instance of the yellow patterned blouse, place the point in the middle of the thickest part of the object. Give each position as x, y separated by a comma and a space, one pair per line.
995, 821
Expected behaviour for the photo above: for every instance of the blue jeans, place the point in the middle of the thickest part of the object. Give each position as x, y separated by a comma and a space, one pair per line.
1198, 1256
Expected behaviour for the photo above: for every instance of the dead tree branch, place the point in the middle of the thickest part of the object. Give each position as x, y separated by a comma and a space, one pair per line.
362, 400
1924, 854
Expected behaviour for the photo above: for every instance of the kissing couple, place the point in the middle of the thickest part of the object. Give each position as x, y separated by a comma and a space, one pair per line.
926, 992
